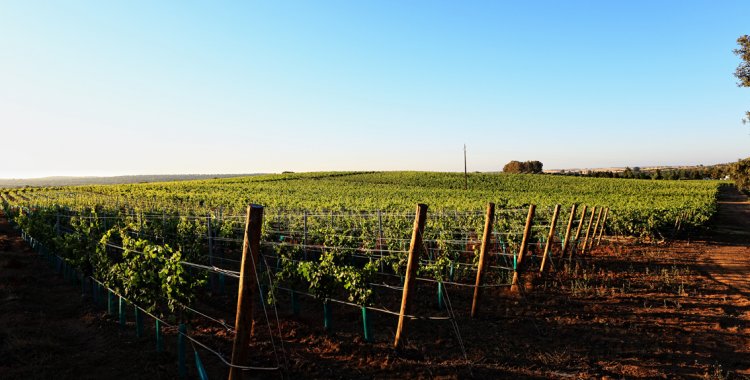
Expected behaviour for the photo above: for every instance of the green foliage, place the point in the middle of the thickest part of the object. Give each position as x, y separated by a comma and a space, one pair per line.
191, 233
632, 203
144, 272
78, 244
743, 70
130, 273
330, 276
741, 174
148, 274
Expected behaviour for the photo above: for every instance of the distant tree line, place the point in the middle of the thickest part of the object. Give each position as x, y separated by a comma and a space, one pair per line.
700, 172
532, 167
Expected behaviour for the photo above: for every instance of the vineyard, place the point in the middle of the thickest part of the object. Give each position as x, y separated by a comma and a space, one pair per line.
192, 255
640, 207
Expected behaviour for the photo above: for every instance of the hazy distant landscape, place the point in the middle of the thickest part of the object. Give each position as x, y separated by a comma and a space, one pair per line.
146, 178
116, 180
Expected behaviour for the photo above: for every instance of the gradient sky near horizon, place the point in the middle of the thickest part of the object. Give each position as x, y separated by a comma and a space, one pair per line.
167, 87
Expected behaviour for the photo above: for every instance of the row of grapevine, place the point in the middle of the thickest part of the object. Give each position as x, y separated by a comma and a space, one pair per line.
641, 208
342, 255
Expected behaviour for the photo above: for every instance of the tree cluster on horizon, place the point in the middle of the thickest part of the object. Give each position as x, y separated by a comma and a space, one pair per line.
529, 167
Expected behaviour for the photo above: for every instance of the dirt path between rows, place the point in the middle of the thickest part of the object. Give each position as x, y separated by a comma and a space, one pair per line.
727, 259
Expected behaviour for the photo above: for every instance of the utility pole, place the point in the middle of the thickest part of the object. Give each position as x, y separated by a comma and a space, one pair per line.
466, 174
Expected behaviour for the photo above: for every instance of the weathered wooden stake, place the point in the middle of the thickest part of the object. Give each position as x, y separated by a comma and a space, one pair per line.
247, 289
601, 230
411, 268
380, 239
522, 250
210, 239
526, 234
588, 232
550, 238
211, 276
489, 219
576, 240
568, 229
304, 234
596, 228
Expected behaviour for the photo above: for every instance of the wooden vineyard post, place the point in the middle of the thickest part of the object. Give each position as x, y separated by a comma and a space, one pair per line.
596, 228
588, 232
411, 268
304, 234
210, 240
244, 325
522, 249
578, 232
568, 229
526, 234
380, 238
550, 238
211, 276
601, 229
486, 238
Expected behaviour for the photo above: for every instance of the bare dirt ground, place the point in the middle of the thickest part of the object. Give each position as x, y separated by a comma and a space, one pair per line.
669, 310
727, 259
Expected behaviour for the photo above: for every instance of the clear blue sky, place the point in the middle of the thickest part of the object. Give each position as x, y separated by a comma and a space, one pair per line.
138, 87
